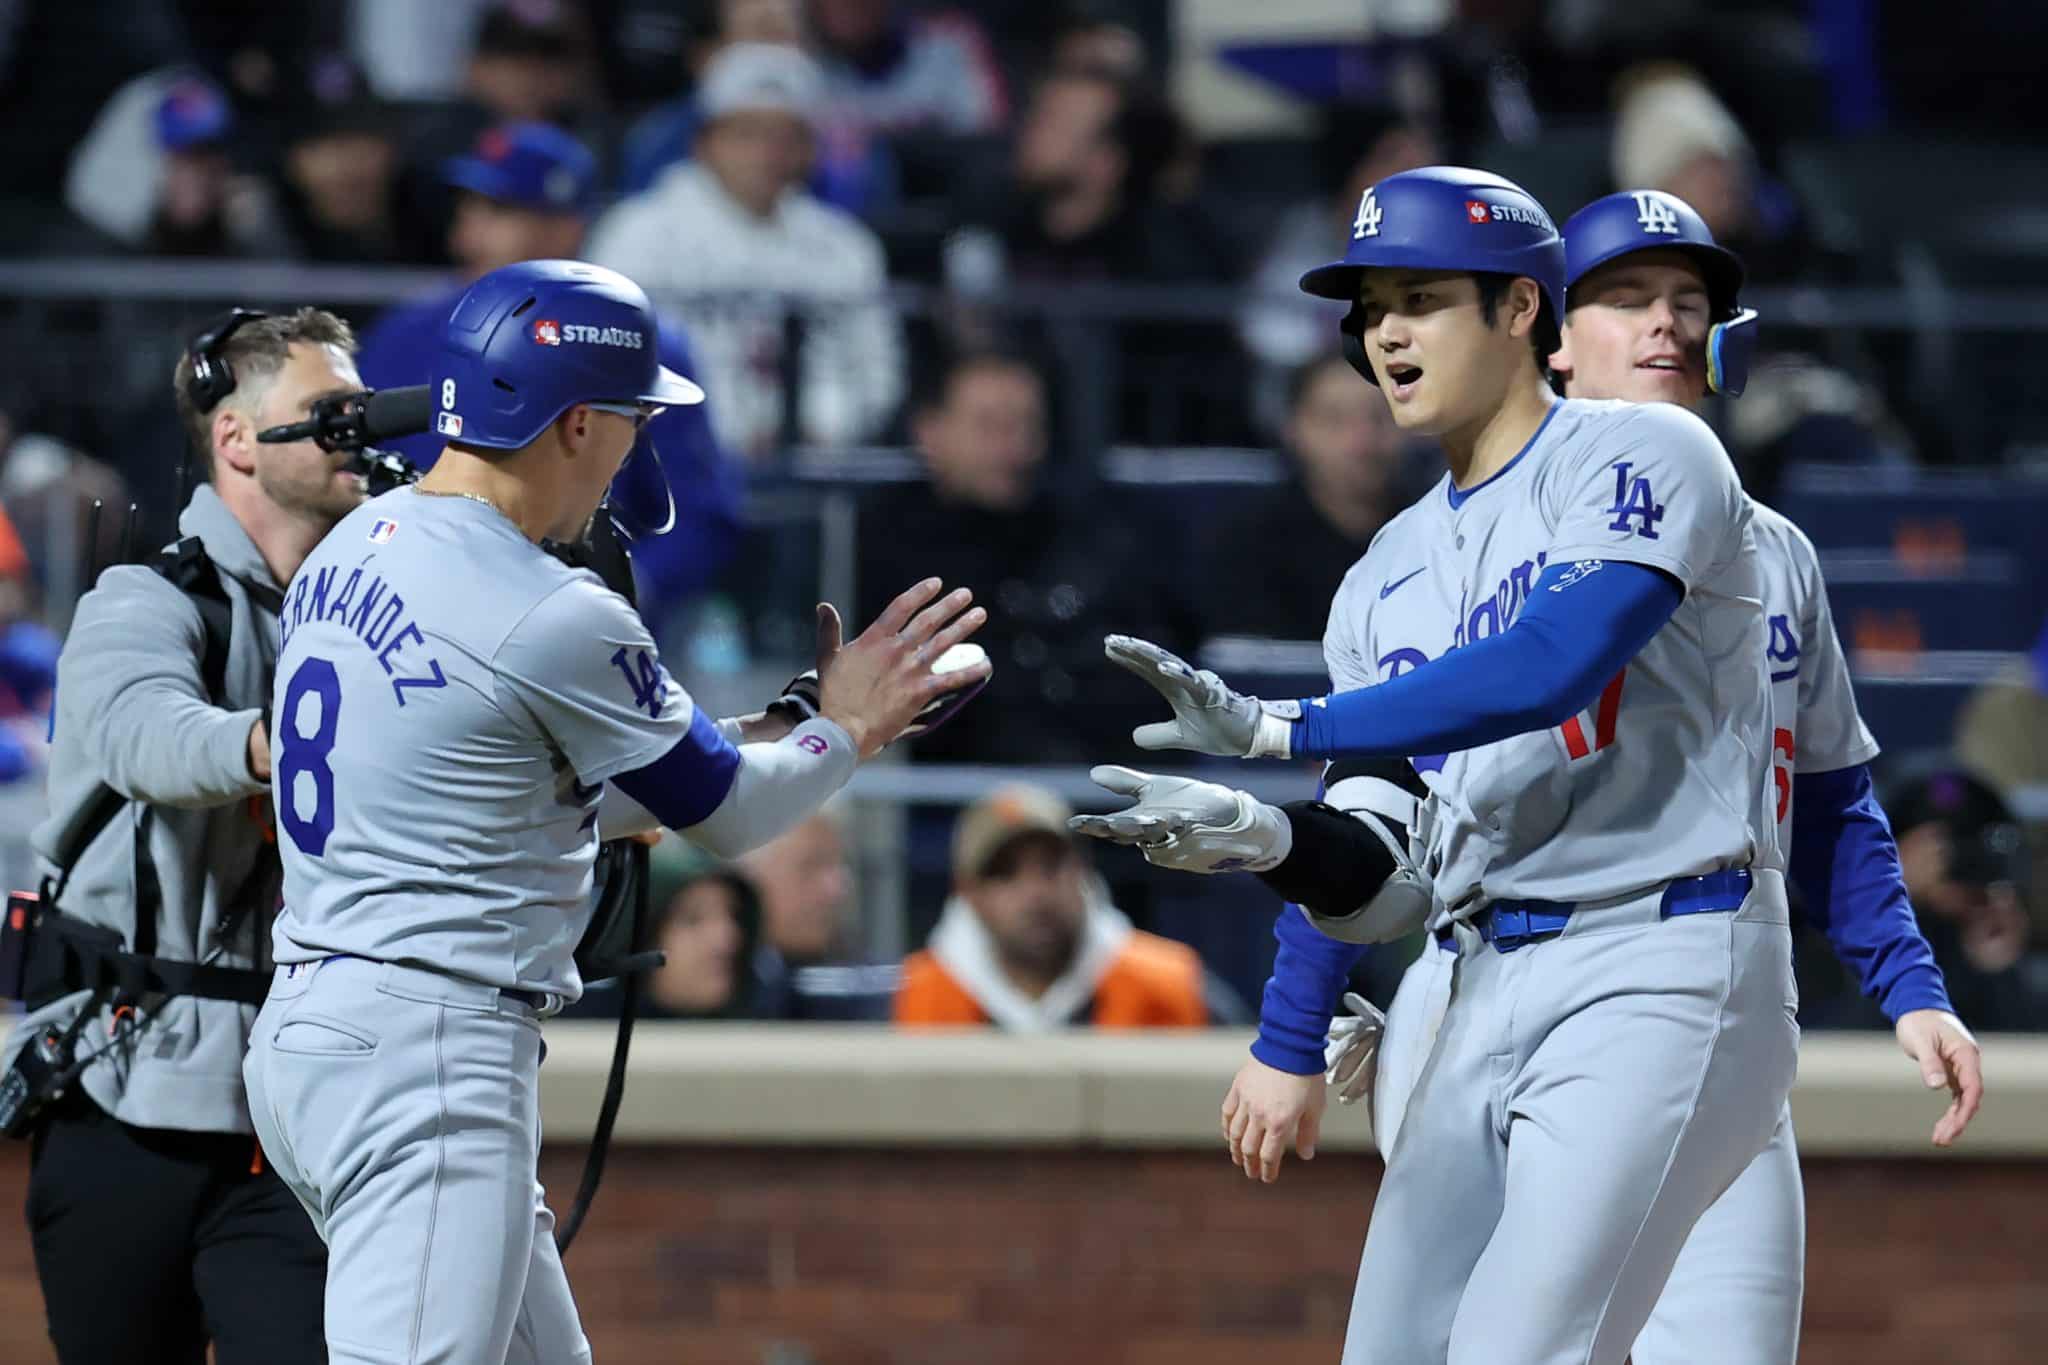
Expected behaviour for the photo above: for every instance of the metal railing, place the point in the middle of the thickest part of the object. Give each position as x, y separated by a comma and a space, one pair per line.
171, 280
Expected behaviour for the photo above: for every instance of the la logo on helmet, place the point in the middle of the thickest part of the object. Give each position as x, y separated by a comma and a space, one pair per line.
1654, 214
1367, 223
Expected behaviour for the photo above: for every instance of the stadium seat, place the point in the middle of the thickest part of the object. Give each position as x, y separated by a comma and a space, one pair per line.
1989, 234
1911, 713
1916, 515
1990, 196
1978, 611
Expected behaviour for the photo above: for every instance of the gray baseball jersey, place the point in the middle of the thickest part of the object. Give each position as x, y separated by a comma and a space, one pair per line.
1817, 728
450, 701
1737, 1282
1666, 774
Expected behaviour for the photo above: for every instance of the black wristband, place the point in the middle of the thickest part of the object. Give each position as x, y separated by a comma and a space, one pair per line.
1336, 864
799, 701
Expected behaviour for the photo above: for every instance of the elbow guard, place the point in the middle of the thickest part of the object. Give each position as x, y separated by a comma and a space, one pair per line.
1350, 869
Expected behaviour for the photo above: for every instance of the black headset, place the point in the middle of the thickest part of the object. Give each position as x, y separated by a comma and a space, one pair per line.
212, 378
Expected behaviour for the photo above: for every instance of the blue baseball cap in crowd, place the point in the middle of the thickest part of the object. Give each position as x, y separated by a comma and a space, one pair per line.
192, 113
530, 166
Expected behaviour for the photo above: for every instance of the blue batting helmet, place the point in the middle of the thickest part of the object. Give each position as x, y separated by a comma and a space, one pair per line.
1443, 218
1650, 220
526, 343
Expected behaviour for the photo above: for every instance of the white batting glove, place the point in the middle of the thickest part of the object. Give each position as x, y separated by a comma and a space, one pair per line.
1351, 1053
1208, 717
1189, 826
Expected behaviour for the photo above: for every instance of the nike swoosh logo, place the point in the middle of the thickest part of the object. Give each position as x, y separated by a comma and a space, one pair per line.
1388, 591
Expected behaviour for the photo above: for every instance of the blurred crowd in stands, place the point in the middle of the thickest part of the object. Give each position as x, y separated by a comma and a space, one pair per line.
984, 238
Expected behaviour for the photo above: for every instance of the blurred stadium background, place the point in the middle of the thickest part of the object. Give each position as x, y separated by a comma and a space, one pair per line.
1026, 320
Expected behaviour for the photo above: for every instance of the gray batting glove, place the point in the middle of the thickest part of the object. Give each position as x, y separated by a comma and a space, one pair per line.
1208, 717
1189, 826
1351, 1053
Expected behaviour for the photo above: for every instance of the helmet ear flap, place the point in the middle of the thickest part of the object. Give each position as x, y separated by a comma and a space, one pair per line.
1353, 330
1729, 346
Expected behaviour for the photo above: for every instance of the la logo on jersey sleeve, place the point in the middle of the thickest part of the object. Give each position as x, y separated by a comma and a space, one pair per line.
647, 680
1783, 650
1635, 508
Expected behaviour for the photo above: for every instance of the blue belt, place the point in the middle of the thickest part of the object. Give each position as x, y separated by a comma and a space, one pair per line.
1508, 925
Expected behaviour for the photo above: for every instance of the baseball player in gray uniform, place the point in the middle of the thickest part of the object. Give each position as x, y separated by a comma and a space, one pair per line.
1652, 316
1566, 638
458, 713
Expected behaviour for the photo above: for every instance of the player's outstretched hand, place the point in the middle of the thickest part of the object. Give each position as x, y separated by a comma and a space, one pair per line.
1264, 1112
1187, 825
1351, 1052
1208, 717
1947, 1055
875, 686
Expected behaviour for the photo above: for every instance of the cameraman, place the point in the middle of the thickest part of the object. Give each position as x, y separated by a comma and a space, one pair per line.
156, 1222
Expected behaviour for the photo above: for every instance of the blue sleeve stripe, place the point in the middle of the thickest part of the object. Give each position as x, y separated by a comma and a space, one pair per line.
690, 781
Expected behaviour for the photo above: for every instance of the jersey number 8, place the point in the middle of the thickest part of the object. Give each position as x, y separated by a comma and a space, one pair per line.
305, 755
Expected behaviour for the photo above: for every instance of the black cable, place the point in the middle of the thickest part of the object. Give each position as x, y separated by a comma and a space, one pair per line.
634, 866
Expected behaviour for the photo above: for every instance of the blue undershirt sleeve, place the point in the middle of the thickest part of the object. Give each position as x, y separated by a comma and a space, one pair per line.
1846, 866
1309, 972
1584, 621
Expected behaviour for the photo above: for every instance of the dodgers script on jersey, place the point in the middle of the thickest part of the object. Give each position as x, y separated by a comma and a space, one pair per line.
450, 700
1815, 726
1667, 773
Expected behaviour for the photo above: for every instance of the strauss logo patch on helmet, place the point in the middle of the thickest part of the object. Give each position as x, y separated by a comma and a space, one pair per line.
1481, 212
547, 331
628, 337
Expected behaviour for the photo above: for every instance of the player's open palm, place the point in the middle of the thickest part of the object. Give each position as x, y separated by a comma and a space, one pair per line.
1268, 1110
876, 685
1209, 716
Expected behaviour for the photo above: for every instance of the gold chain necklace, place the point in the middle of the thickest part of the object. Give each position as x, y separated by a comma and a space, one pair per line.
459, 493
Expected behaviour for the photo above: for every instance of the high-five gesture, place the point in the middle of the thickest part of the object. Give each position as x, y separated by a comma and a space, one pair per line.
875, 687
1208, 717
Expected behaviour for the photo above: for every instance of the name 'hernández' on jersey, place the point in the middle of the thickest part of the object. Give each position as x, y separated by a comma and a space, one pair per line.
1667, 773
450, 701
